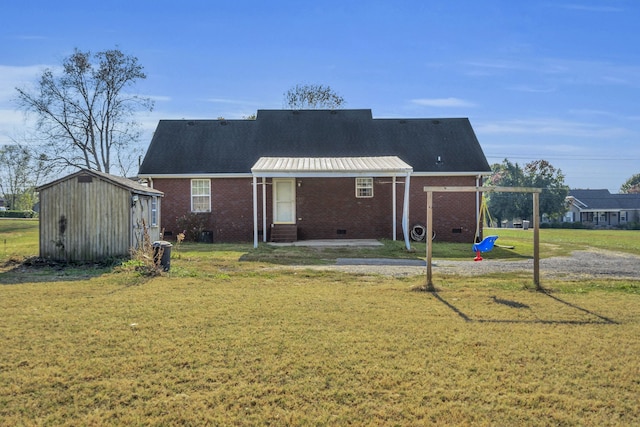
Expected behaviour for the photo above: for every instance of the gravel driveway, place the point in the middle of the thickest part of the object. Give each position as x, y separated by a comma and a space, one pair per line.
581, 264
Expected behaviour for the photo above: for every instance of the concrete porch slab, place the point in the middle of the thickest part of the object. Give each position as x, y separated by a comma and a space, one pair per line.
382, 261
327, 243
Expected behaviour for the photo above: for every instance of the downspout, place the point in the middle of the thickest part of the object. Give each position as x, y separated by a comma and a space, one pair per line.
405, 212
477, 236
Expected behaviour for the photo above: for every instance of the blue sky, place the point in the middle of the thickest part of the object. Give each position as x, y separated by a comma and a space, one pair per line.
539, 79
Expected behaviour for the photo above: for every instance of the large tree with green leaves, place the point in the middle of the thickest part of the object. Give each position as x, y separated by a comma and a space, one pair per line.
84, 113
632, 185
312, 97
538, 174
20, 173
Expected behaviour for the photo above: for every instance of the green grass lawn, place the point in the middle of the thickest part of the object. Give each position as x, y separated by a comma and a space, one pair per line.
232, 336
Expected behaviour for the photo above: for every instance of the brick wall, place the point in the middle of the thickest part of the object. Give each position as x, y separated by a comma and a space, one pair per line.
454, 214
326, 208
231, 216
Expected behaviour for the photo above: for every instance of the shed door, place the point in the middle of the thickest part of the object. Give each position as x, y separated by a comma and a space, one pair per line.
284, 201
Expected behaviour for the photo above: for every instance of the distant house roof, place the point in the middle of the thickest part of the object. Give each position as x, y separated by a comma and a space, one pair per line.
125, 183
603, 200
191, 147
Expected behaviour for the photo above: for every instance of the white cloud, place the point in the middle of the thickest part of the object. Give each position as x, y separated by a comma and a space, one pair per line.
586, 8
533, 89
551, 126
560, 70
15, 76
232, 101
442, 102
158, 98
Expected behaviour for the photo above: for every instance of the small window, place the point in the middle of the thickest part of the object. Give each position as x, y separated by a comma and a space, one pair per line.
154, 211
200, 195
364, 187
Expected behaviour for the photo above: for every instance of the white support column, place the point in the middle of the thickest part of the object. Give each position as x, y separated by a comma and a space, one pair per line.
478, 213
393, 207
405, 212
264, 209
255, 212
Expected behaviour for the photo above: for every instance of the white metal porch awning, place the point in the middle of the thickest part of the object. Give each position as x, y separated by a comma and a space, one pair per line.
275, 167
331, 167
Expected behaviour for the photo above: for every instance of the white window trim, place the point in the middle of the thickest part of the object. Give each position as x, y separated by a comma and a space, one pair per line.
364, 183
154, 213
201, 195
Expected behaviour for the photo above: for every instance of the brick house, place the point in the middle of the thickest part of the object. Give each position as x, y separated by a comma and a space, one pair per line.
316, 174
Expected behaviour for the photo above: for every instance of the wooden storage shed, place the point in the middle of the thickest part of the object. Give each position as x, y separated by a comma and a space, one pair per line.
93, 216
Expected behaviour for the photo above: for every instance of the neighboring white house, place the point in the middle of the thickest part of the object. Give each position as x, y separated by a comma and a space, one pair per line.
600, 208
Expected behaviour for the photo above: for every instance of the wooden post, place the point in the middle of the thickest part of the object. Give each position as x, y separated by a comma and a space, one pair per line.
536, 221
536, 240
428, 239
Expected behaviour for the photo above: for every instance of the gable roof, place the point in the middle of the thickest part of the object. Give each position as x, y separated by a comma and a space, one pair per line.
603, 200
190, 147
119, 181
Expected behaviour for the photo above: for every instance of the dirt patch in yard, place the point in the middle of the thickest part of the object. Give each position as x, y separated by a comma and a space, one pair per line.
581, 264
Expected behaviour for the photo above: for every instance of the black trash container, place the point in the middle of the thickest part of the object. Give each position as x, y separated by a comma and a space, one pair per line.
206, 236
162, 253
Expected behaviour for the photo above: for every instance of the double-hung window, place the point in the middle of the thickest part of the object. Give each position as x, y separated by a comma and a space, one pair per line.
154, 212
200, 195
364, 187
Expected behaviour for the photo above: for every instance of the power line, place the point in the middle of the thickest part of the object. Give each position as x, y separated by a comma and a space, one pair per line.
556, 157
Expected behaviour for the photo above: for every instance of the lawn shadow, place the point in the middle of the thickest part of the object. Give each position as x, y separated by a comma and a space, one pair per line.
596, 318
603, 318
31, 271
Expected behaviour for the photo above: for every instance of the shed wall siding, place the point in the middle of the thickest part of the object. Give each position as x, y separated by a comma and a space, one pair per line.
97, 220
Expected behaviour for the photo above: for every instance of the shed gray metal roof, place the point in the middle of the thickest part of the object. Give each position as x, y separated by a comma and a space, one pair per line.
190, 147
119, 181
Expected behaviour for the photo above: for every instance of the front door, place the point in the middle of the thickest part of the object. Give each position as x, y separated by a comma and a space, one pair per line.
284, 201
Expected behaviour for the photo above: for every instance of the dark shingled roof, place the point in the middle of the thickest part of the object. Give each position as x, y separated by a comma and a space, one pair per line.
603, 200
233, 146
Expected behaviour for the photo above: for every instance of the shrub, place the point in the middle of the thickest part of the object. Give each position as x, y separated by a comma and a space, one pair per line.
145, 259
566, 225
18, 214
193, 225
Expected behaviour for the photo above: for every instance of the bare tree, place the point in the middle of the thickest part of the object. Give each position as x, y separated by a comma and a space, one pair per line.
312, 97
84, 114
